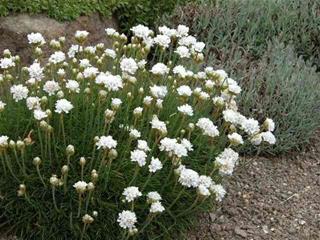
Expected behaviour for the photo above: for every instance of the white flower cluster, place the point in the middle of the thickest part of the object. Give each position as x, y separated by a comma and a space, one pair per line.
168, 114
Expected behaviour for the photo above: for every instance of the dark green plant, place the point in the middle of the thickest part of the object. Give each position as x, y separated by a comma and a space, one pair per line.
128, 12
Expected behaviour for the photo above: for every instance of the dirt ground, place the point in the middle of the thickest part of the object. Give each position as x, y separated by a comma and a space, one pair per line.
276, 199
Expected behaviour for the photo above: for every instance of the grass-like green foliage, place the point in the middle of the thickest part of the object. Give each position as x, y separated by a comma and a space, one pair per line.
34, 205
287, 89
228, 25
128, 12
240, 36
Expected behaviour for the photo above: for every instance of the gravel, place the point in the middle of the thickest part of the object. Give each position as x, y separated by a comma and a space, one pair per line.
269, 198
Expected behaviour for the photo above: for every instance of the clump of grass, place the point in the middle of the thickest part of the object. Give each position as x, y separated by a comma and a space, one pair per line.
95, 141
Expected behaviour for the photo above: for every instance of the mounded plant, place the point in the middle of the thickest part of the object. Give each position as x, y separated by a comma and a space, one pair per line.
98, 143
285, 88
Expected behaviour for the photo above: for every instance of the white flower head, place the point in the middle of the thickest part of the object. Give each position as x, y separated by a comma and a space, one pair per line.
6, 63
19, 92
235, 138
153, 197
85, 63
182, 30
187, 41
183, 52
4, 141
115, 103
110, 53
181, 72
203, 190
127, 219
129, 66
113, 82
219, 191
227, 160
143, 145
51, 87
139, 157
159, 69
268, 137
80, 186
250, 126
73, 86
33, 103
57, 57
207, 127
90, 72
159, 91
36, 39
186, 109
198, 47
155, 165
167, 31
189, 178
111, 32
162, 40
39, 115
134, 133
106, 143
156, 207
81, 34
141, 31
184, 91
159, 125
2, 106
36, 71
131, 193
63, 106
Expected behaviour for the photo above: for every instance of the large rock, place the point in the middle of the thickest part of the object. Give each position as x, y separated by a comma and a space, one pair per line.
14, 30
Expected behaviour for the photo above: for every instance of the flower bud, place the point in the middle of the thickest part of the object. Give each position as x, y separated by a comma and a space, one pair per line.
94, 175
20, 145
70, 150
12, 144
95, 213
112, 154
82, 161
87, 90
36, 161
43, 125
87, 219
44, 100
65, 169
60, 94
22, 190
90, 186
54, 181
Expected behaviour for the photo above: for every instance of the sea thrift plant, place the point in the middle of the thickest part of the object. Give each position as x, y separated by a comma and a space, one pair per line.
120, 143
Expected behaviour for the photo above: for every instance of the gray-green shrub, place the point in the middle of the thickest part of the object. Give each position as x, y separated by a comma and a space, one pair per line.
249, 25
287, 89
240, 36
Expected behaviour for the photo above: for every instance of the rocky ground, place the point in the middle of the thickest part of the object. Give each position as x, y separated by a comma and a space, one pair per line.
269, 198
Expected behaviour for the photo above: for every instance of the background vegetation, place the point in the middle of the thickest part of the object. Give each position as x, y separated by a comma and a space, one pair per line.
272, 48
129, 12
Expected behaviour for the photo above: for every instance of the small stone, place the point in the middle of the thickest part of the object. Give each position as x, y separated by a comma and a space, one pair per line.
240, 232
265, 229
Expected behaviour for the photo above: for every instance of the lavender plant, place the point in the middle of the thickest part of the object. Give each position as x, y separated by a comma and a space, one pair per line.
98, 143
